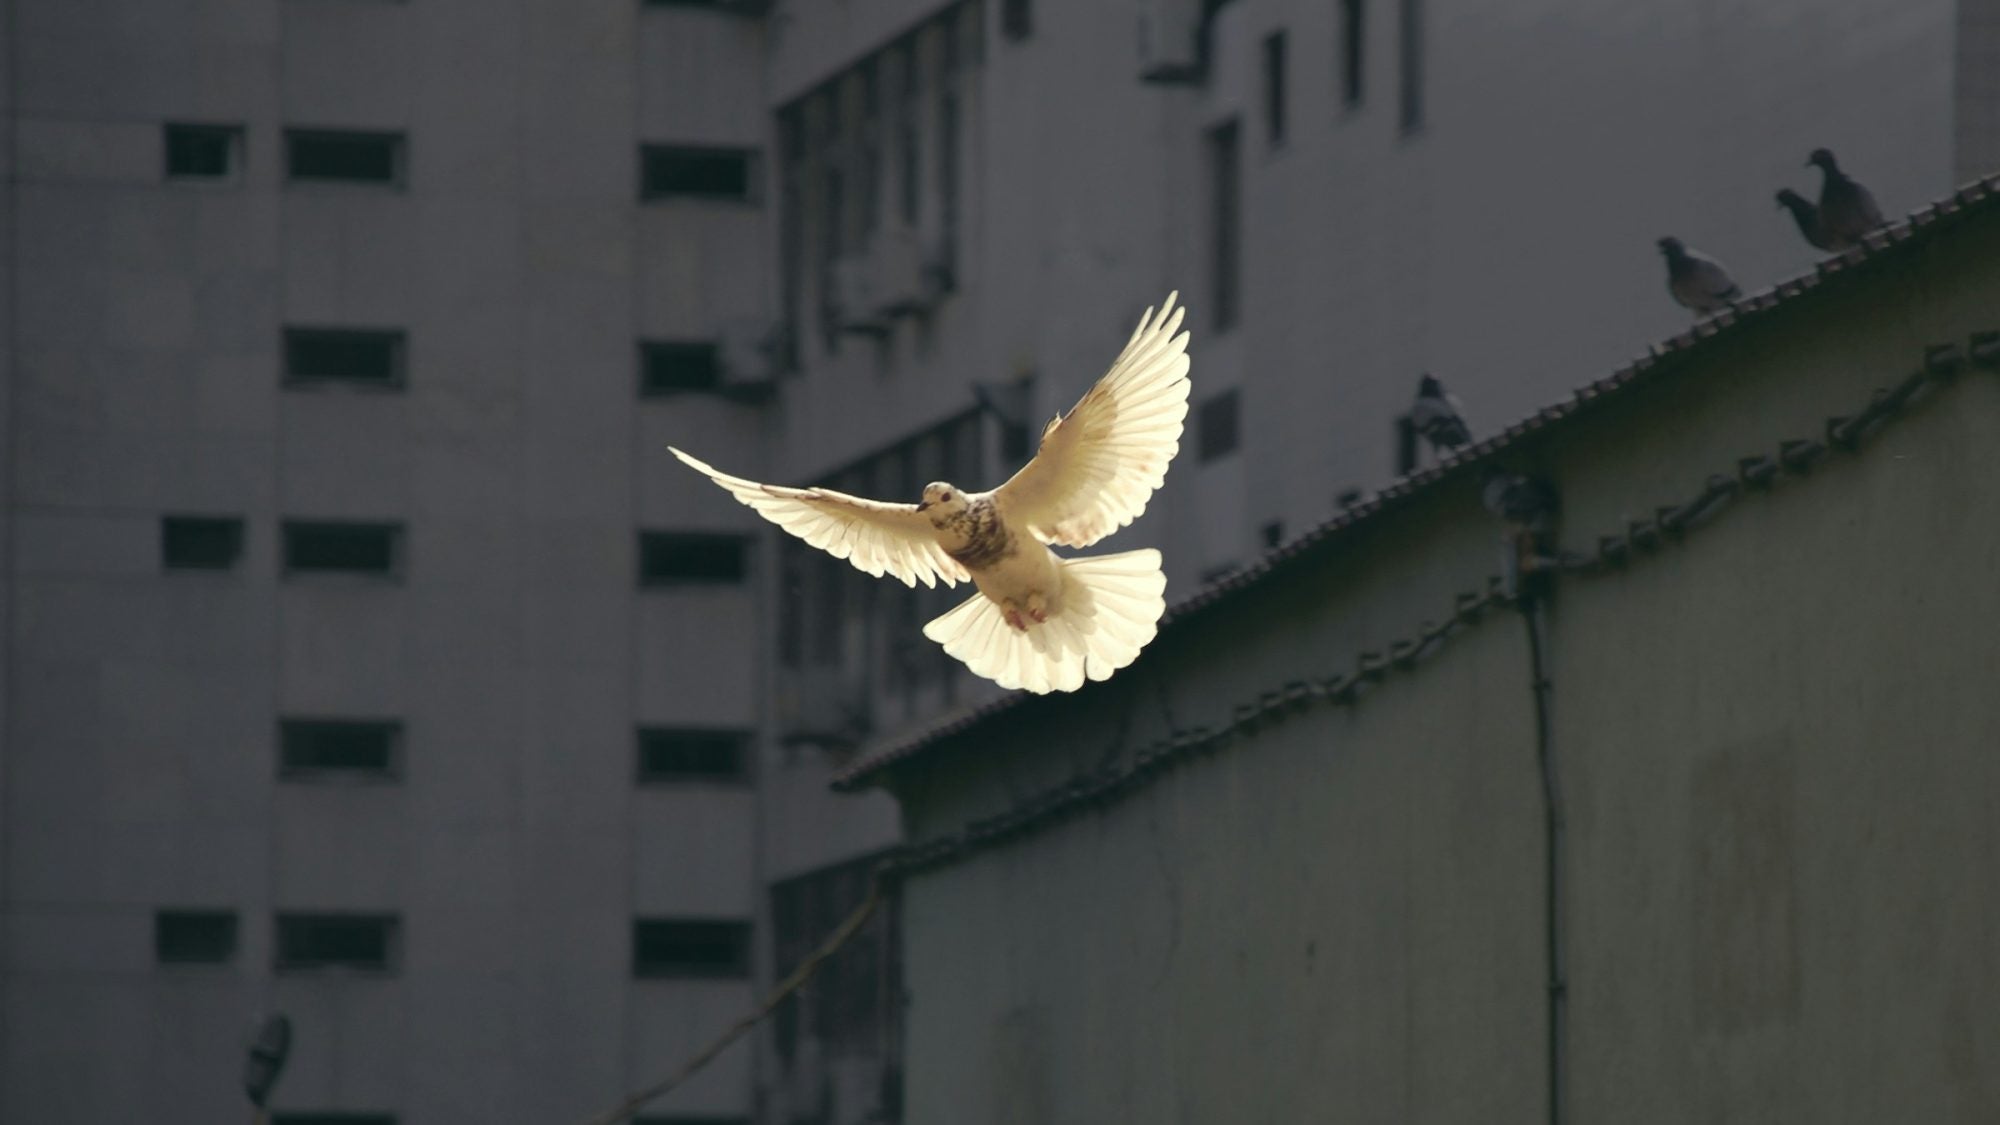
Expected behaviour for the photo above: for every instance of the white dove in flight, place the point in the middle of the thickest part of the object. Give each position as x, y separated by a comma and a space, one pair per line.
1040, 621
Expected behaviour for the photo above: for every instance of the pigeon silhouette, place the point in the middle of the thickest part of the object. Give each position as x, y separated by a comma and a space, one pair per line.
1847, 211
1696, 280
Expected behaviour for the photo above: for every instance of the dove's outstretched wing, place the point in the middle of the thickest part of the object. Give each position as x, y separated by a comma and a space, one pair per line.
875, 536
1101, 462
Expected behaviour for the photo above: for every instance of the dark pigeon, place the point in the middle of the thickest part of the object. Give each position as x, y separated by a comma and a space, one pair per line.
1436, 416
1807, 216
1697, 281
1847, 211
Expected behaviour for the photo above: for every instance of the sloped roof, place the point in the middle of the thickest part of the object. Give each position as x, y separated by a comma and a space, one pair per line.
1919, 226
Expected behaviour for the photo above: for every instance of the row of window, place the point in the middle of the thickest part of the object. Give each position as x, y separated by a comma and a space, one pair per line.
662, 948
372, 749
376, 549
1351, 29
214, 152
346, 1117
379, 358
1224, 141
375, 1117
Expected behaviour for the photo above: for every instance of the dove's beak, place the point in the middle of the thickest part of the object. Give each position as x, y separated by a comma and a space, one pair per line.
922, 504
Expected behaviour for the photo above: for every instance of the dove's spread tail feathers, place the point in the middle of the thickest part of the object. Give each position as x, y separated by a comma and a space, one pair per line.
1110, 609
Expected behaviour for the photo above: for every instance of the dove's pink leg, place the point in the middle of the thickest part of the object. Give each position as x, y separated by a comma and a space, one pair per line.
1013, 618
1038, 607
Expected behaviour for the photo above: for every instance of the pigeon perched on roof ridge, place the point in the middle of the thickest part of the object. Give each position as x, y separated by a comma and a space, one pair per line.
1439, 416
1696, 280
1806, 215
1847, 211
1040, 622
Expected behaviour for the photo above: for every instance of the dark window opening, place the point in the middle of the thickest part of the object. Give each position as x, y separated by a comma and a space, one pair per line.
342, 548
666, 367
868, 157
347, 941
697, 1119
371, 357
1353, 49
791, 231
194, 937
1412, 36
205, 152
680, 754
1274, 88
344, 157
1273, 534
334, 1119
663, 948
1017, 18
200, 542
946, 267
316, 747
909, 137
667, 171
1219, 428
1225, 236
674, 558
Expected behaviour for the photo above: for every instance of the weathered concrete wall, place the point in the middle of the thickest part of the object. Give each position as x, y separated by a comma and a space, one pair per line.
1775, 738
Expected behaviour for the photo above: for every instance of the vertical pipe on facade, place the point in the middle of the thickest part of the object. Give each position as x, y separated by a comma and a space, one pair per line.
1555, 831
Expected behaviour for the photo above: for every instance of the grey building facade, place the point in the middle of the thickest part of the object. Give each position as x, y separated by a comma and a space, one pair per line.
363, 660
366, 655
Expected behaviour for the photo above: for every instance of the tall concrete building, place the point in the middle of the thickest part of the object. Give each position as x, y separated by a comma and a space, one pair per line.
364, 661
367, 657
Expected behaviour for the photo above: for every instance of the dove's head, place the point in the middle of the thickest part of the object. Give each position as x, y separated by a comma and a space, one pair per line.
1429, 387
1822, 158
941, 501
1792, 200
1672, 247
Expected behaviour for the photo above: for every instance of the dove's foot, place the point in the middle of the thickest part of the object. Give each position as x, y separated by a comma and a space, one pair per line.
1013, 619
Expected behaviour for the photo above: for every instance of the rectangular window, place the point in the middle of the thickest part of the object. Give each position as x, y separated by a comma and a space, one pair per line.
686, 948
1274, 88
343, 548
1353, 49
334, 1118
1225, 236
677, 558
697, 1119
362, 748
336, 941
343, 157
696, 172
1017, 18
1273, 534
868, 157
1218, 426
362, 357
909, 135
200, 542
203, 152
676, 754
1411, 34
194, 937
666, 367
791, 230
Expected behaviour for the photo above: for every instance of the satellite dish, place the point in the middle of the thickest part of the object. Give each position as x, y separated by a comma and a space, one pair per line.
269, 1049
